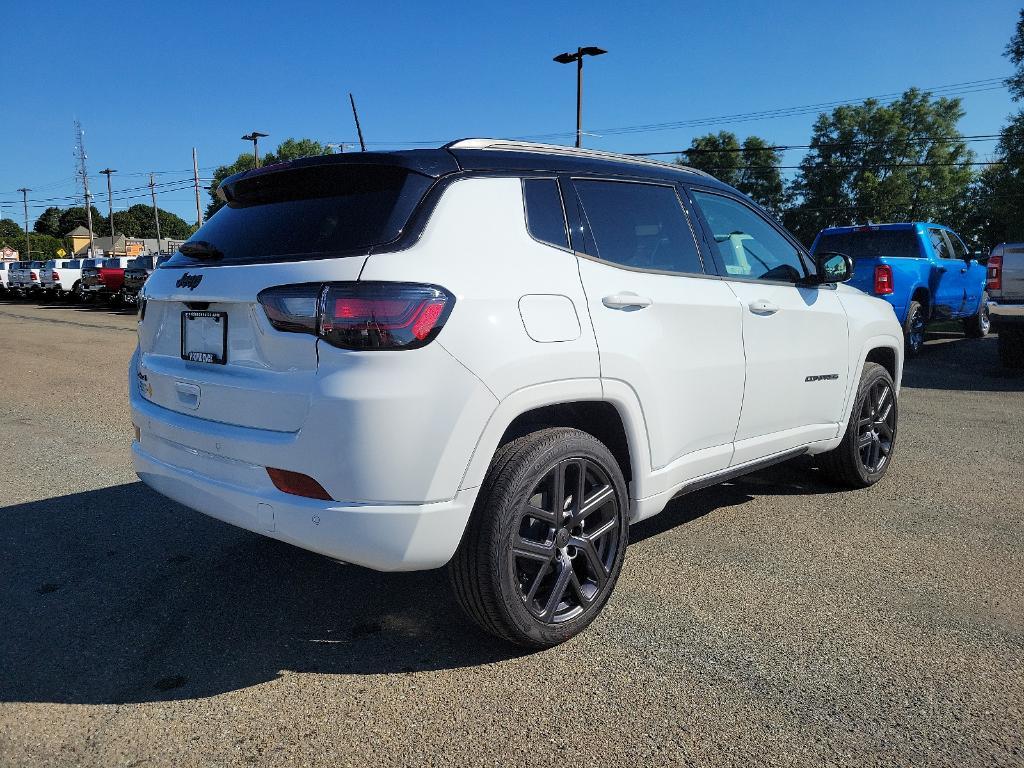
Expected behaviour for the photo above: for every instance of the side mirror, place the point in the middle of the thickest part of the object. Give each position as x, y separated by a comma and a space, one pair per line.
832, 267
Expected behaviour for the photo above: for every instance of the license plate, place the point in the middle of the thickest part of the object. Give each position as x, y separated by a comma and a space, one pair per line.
204, 337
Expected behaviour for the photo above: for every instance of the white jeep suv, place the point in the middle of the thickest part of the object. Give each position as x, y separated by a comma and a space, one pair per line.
495, 356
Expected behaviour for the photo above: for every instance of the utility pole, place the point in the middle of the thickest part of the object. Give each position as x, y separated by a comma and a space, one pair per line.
110, 206
156, 212
28, 243
195, 179
255, 137
80, 151
359, 130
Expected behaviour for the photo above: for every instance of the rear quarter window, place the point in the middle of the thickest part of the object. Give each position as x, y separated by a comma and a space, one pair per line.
545, 217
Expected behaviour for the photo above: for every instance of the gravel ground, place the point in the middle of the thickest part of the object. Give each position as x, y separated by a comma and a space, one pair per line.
767, 621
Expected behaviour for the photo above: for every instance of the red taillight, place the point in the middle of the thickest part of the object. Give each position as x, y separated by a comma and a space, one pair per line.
297, 484
361, 315
995, 272
883, 280
55, 277
33, 276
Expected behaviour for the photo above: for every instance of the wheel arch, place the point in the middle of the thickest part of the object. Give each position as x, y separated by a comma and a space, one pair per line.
922, 296
579, 403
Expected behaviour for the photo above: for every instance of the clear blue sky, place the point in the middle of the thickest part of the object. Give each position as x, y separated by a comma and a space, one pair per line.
151, 80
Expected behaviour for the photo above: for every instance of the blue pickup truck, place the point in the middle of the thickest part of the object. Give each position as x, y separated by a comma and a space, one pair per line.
924, 270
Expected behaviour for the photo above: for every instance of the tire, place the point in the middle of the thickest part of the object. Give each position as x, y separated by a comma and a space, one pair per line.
1011, 347
513, 596
977, 326
913, 329
865, 453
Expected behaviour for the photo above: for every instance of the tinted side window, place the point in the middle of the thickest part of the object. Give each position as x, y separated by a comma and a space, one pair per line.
939, 244
639, 225
750, 247
545, 218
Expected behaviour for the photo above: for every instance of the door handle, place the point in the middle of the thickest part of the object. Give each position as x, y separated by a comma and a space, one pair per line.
963, 270
625, 300
941, 270
762, 307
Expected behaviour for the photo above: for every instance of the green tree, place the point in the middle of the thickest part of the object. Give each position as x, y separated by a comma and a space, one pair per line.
48, 222
751, 167
997, 213
11, 232
905, 161
289, 149
74, 217
137, 221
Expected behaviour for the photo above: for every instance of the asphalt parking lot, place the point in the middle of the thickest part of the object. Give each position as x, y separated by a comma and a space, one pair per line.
767, 621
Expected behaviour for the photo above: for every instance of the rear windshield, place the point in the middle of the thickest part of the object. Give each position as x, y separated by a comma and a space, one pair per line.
112, 264
310, 212
869, 245
142, 262
86, 263
37, 265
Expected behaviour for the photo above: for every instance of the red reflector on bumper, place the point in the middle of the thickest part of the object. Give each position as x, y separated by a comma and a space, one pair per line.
297, 484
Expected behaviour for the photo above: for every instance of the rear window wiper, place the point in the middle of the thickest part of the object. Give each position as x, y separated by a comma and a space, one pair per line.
201, 249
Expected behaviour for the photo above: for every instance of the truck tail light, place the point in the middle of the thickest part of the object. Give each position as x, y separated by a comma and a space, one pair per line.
33, 276
55, 277
994, 281
297, 484
361, 315
883, 280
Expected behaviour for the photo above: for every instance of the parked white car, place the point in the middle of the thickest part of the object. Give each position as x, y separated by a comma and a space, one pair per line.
497, 356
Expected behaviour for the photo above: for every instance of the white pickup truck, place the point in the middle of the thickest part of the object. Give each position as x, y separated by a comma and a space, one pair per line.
5, 274
25, 277
1006, 301
63, 277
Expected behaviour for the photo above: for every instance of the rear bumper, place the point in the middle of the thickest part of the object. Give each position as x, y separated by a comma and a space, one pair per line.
1006, 314
396, 537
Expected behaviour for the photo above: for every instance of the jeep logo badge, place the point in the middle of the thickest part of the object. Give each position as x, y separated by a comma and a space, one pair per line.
189, 281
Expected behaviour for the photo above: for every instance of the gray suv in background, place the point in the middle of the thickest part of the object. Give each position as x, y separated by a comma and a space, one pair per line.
1005, 286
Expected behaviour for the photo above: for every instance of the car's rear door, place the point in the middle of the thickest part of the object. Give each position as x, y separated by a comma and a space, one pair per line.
972, 275
795, 337
665, 327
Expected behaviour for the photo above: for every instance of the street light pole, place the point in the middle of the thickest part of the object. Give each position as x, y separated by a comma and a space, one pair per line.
255, 137
568, 58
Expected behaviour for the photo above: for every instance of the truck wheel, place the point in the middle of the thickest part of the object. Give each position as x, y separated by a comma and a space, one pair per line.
545, 543
913, 329
978, 325
865, 453
1011, 347
76, 292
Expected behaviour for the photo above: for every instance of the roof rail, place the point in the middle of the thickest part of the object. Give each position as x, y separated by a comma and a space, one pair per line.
511, 145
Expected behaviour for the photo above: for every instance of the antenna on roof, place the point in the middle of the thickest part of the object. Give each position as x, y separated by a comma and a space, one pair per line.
359, 130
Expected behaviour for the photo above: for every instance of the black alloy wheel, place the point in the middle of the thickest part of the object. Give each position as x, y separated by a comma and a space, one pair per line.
568, 540
545, 543
876, 427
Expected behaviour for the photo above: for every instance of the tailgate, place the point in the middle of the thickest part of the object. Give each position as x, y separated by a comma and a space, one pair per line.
864, 274
267, 376
1013, 275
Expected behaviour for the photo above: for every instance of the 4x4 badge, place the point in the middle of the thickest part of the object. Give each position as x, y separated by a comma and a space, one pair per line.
189, 281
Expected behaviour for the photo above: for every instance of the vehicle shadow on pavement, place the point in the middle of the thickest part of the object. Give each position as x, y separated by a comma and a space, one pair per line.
797, 477
951, 361
119, 595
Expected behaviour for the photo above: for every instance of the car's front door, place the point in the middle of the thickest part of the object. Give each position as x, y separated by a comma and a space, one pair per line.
972, 275
664, 330
795, 336
948, 277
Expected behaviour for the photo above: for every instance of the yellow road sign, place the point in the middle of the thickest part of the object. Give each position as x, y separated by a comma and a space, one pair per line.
61, 253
